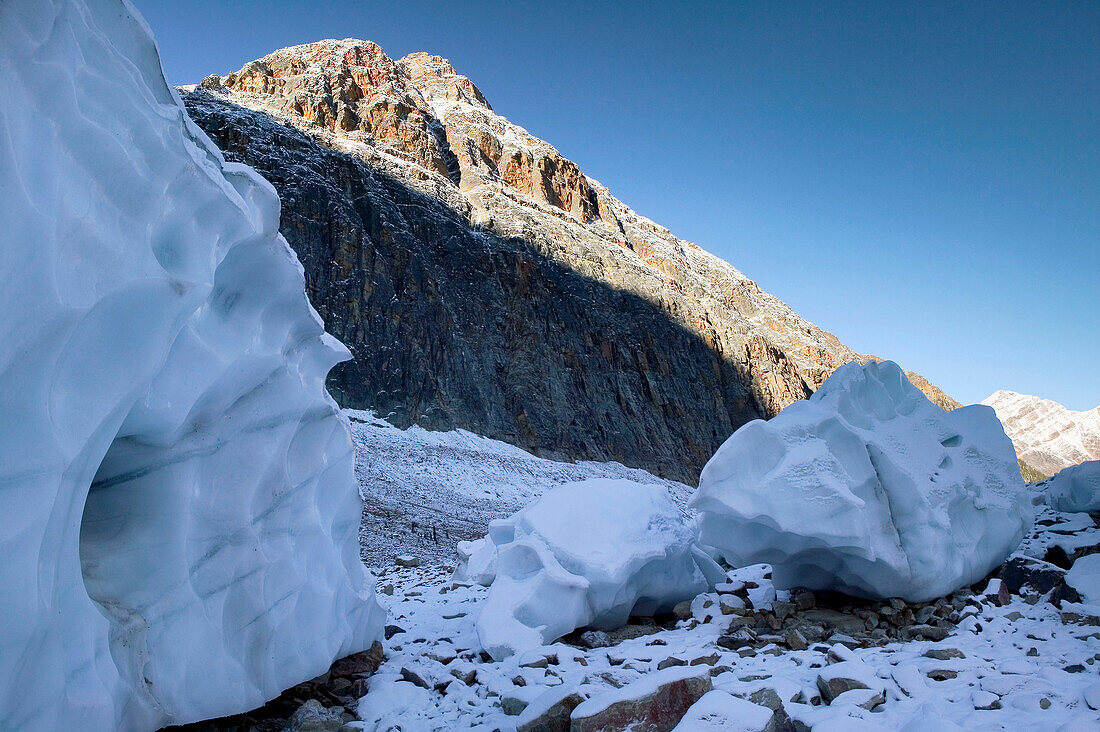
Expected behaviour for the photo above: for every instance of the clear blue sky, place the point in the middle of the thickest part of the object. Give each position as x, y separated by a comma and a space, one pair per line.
923, 181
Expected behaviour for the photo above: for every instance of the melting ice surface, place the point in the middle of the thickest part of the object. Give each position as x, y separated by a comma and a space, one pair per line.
178, 514
1076, 488
590, 553
867, 488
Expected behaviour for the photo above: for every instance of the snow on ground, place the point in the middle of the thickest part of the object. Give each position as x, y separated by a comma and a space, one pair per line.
1019, 666
425, 491
1024, 665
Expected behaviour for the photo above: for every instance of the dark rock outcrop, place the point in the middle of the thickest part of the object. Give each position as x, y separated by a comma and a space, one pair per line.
455, 327
482, 281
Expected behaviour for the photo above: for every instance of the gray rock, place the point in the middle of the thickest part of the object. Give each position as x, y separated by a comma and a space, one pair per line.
414, 678
796, 641
595, 639
658, 711
782, 609
314, 717
739, 639
512, 706
803, 599
944, 654
705, 660
927, 632
682, 610
832, 688
556, 716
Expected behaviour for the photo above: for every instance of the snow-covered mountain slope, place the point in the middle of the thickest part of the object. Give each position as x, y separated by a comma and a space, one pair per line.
1047, 436
178, 515
482, 281
425, 491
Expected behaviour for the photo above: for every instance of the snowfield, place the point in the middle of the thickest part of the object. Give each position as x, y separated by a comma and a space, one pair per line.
1022, 665
967, 660
426, 491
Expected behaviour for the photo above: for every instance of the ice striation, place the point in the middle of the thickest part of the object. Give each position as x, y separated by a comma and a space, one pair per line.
869, 489
1076, 488
590, 553
178, 513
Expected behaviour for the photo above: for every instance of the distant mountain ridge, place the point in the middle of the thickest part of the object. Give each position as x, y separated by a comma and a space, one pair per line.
482, 281
1047, 435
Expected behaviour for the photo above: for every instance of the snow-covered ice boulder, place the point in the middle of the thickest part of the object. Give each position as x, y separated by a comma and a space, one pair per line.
178, 512
590, 553
867, 488
1073, 489
1084, 576
477, 561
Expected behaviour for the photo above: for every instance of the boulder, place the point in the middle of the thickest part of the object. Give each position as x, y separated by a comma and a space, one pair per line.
654, 703
550, 711
591, 553
869, 489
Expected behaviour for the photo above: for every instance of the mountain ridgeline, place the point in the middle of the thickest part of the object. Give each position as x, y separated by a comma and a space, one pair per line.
483, 282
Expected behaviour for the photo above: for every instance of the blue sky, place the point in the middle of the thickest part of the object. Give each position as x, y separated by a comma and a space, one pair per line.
923, 180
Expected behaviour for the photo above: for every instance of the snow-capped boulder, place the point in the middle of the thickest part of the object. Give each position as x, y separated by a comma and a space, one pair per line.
1073, 489
590, 553
867, 488
178, 512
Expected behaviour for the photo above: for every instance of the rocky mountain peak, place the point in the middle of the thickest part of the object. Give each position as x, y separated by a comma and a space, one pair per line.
419, 110
483, 281
1047, 435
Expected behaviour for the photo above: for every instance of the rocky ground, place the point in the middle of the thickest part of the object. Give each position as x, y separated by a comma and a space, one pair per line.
1016, 651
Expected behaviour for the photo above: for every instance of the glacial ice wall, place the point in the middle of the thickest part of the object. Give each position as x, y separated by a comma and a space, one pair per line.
178, 512
867, 488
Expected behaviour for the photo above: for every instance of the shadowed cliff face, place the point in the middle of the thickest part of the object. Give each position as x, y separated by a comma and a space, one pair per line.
483, 281
455, 327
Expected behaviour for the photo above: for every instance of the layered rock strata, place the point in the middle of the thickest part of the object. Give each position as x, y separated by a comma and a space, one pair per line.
483, 281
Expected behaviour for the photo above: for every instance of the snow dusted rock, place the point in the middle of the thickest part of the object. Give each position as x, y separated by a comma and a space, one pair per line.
549, 711
720, 710
1075, 489
867, 488
590, 553
178, 515
656, 702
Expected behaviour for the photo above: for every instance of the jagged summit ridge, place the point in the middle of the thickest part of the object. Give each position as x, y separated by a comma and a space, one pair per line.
1047, 435
419, 123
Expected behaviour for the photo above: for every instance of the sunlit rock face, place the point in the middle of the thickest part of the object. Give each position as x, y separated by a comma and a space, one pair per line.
178, 515
1047, 436
484, 282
